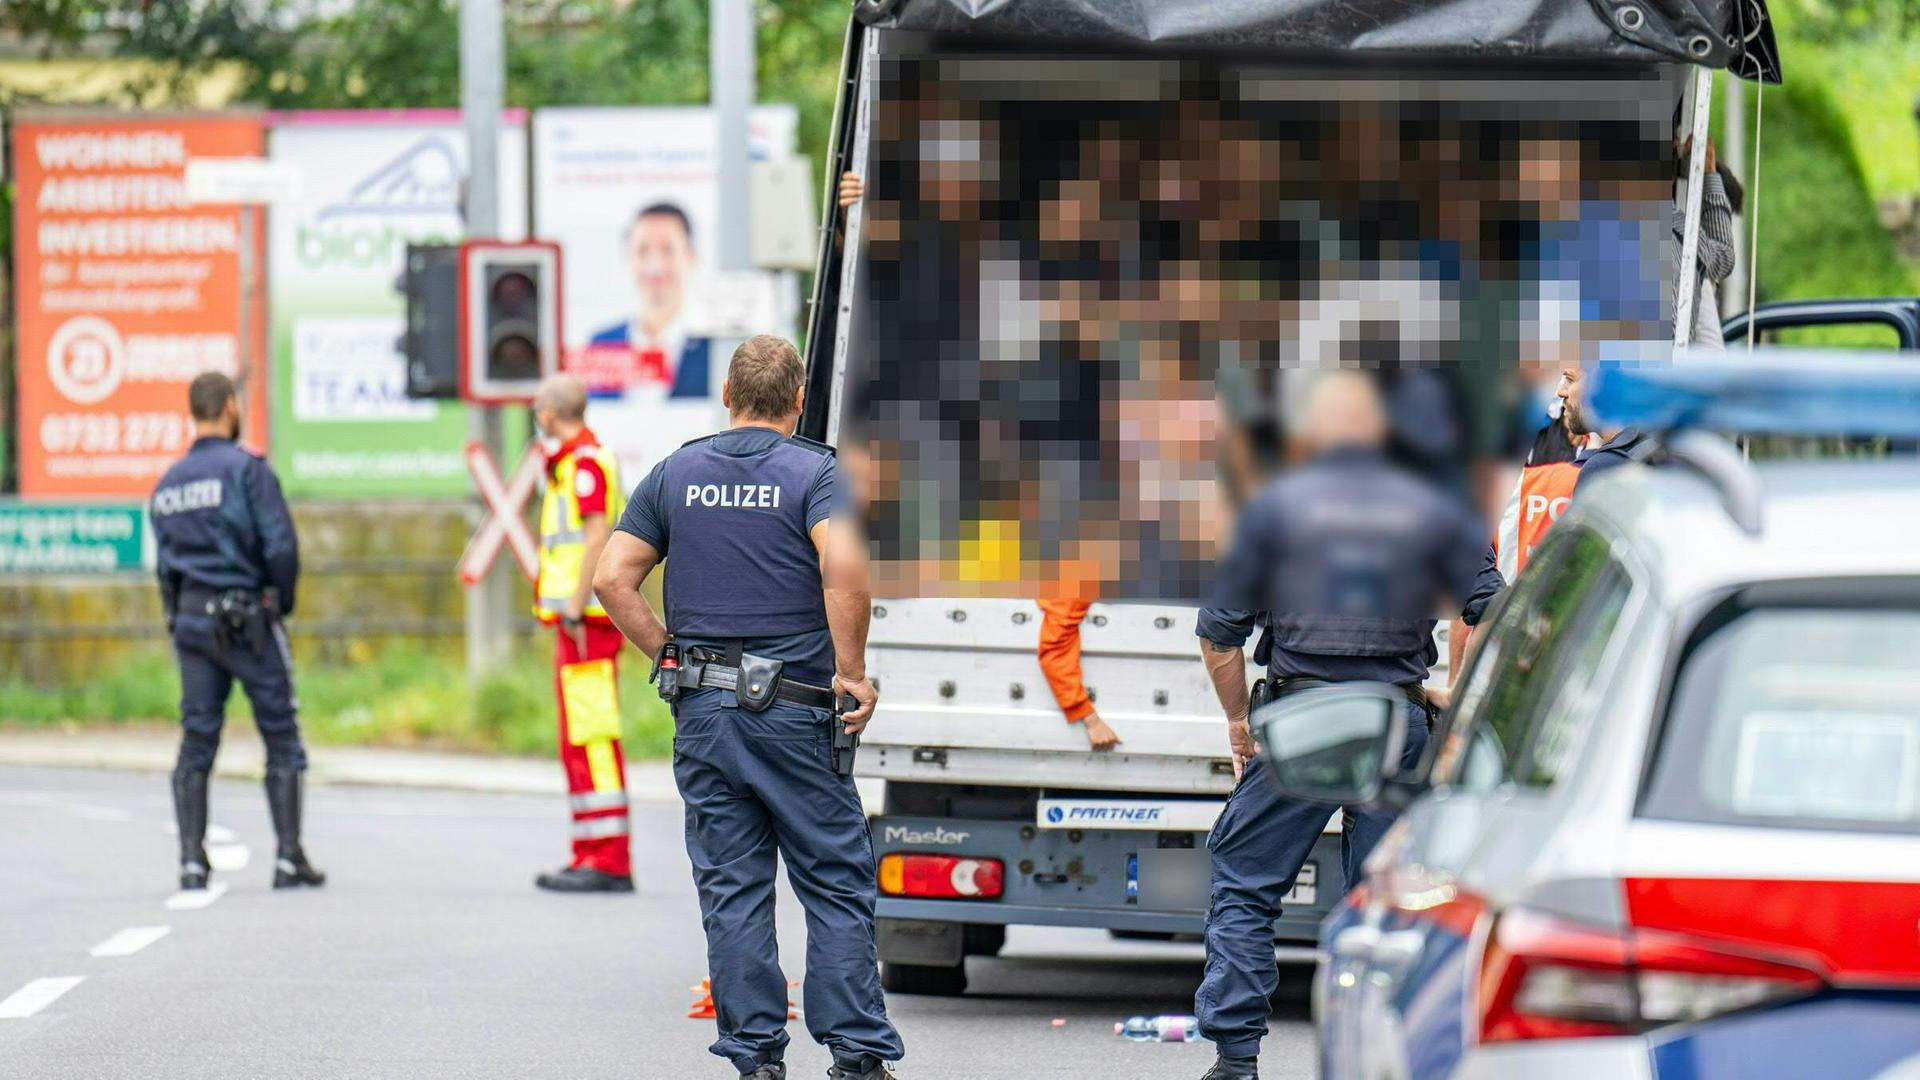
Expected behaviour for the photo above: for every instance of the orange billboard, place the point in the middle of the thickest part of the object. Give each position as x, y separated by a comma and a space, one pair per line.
126, 290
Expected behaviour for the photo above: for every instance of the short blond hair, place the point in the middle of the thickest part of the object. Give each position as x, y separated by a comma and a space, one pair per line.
764, 377
564, 395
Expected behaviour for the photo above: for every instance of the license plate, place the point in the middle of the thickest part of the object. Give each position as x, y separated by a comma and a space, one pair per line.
1178, 879
1306, 887
1173, 879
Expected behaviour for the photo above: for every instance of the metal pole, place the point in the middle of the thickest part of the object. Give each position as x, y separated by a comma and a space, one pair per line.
730, 64
1689, 275
482, 96
1733, 151
856, 222
244, 346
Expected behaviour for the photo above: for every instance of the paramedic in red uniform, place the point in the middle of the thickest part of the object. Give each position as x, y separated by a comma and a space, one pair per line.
582, 496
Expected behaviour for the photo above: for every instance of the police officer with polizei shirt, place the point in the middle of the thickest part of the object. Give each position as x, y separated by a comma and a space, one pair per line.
1349, 556
767, 607
228, 563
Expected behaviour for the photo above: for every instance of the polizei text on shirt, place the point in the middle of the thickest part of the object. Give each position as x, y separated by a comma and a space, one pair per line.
743, 496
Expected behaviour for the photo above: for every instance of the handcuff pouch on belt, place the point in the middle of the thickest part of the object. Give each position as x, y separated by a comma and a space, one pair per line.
759, 678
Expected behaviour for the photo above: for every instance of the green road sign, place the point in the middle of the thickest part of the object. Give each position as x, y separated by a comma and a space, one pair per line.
72, 538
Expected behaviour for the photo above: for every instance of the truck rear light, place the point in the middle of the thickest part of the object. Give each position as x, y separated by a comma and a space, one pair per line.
1546, 978
945, 877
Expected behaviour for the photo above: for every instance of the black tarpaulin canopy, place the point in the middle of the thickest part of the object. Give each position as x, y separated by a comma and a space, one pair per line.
1731, 34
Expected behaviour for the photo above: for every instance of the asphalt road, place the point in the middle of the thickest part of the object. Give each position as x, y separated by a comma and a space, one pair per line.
429, 954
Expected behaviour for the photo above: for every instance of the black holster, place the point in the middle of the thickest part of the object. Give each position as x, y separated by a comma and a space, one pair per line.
845, 747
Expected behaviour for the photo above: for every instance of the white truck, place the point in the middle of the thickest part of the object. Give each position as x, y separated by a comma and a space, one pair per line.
996, 813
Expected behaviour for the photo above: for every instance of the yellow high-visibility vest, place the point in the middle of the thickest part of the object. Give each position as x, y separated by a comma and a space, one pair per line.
563, 538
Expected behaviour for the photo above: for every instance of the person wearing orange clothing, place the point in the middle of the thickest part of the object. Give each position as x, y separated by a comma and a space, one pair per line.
1060, 661
582, 494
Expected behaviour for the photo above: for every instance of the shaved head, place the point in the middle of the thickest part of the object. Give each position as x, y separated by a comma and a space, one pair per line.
562, 395
1343, 408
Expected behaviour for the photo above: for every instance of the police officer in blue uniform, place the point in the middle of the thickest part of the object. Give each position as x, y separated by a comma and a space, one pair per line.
767, 609
1348, 556
228, 563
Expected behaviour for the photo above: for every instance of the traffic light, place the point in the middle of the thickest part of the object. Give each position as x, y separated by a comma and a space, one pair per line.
509, 319
430, 281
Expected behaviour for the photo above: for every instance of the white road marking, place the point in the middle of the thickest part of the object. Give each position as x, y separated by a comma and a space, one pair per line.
194, 899
37, 995
216, 834
224, 849
130, 941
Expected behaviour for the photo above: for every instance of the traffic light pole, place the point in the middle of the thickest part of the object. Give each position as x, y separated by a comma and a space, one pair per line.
482, 97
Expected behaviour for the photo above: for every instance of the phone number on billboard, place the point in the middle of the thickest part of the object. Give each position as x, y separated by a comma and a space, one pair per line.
111, 433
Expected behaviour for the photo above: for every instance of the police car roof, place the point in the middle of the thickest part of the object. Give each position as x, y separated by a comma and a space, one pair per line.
1818, 519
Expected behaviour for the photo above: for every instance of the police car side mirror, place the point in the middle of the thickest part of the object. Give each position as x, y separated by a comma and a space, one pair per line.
1336, 744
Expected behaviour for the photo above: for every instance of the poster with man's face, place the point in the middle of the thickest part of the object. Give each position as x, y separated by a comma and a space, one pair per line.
631, 196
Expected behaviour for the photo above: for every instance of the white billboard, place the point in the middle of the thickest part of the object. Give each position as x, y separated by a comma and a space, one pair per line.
630, 195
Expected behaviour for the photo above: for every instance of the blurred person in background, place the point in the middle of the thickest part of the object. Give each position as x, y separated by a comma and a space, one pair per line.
582, 496
228, 561
1544, 487
1349, 556
1721, 197
1602, 447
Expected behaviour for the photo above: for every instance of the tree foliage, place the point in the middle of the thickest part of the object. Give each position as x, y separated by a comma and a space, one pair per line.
310, 54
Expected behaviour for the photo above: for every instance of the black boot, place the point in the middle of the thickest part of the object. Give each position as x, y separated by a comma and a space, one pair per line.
1238, 1068
772, 1070
584, 879
190, 815
290, 865
876, 1070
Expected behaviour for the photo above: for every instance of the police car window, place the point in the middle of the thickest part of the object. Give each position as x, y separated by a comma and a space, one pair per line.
1796, 718
1499, 704
1572, 698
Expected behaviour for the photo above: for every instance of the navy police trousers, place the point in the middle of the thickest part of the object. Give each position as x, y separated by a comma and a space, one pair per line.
1257, 845
207, 674
755, 784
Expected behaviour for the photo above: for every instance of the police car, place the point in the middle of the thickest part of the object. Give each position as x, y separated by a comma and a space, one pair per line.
1672, 828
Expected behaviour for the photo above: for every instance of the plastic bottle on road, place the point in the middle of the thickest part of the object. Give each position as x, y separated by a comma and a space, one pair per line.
1159, 1029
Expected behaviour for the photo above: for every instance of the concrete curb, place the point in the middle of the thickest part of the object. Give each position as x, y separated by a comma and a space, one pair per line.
242, 758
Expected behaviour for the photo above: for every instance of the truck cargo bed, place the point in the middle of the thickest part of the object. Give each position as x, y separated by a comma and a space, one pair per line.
963, 699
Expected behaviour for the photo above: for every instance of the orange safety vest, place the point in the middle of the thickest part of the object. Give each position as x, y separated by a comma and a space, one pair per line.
1545, 491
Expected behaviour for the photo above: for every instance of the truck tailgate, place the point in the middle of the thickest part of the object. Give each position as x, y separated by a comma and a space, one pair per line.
963, 699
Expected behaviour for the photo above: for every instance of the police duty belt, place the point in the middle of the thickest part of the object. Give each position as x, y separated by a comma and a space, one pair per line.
757, 683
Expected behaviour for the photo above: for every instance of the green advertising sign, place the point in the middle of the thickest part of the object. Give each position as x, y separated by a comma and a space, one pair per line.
375, 182
38, 538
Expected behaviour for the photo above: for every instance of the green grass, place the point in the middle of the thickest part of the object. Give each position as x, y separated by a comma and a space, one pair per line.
1820, 234
399, 695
